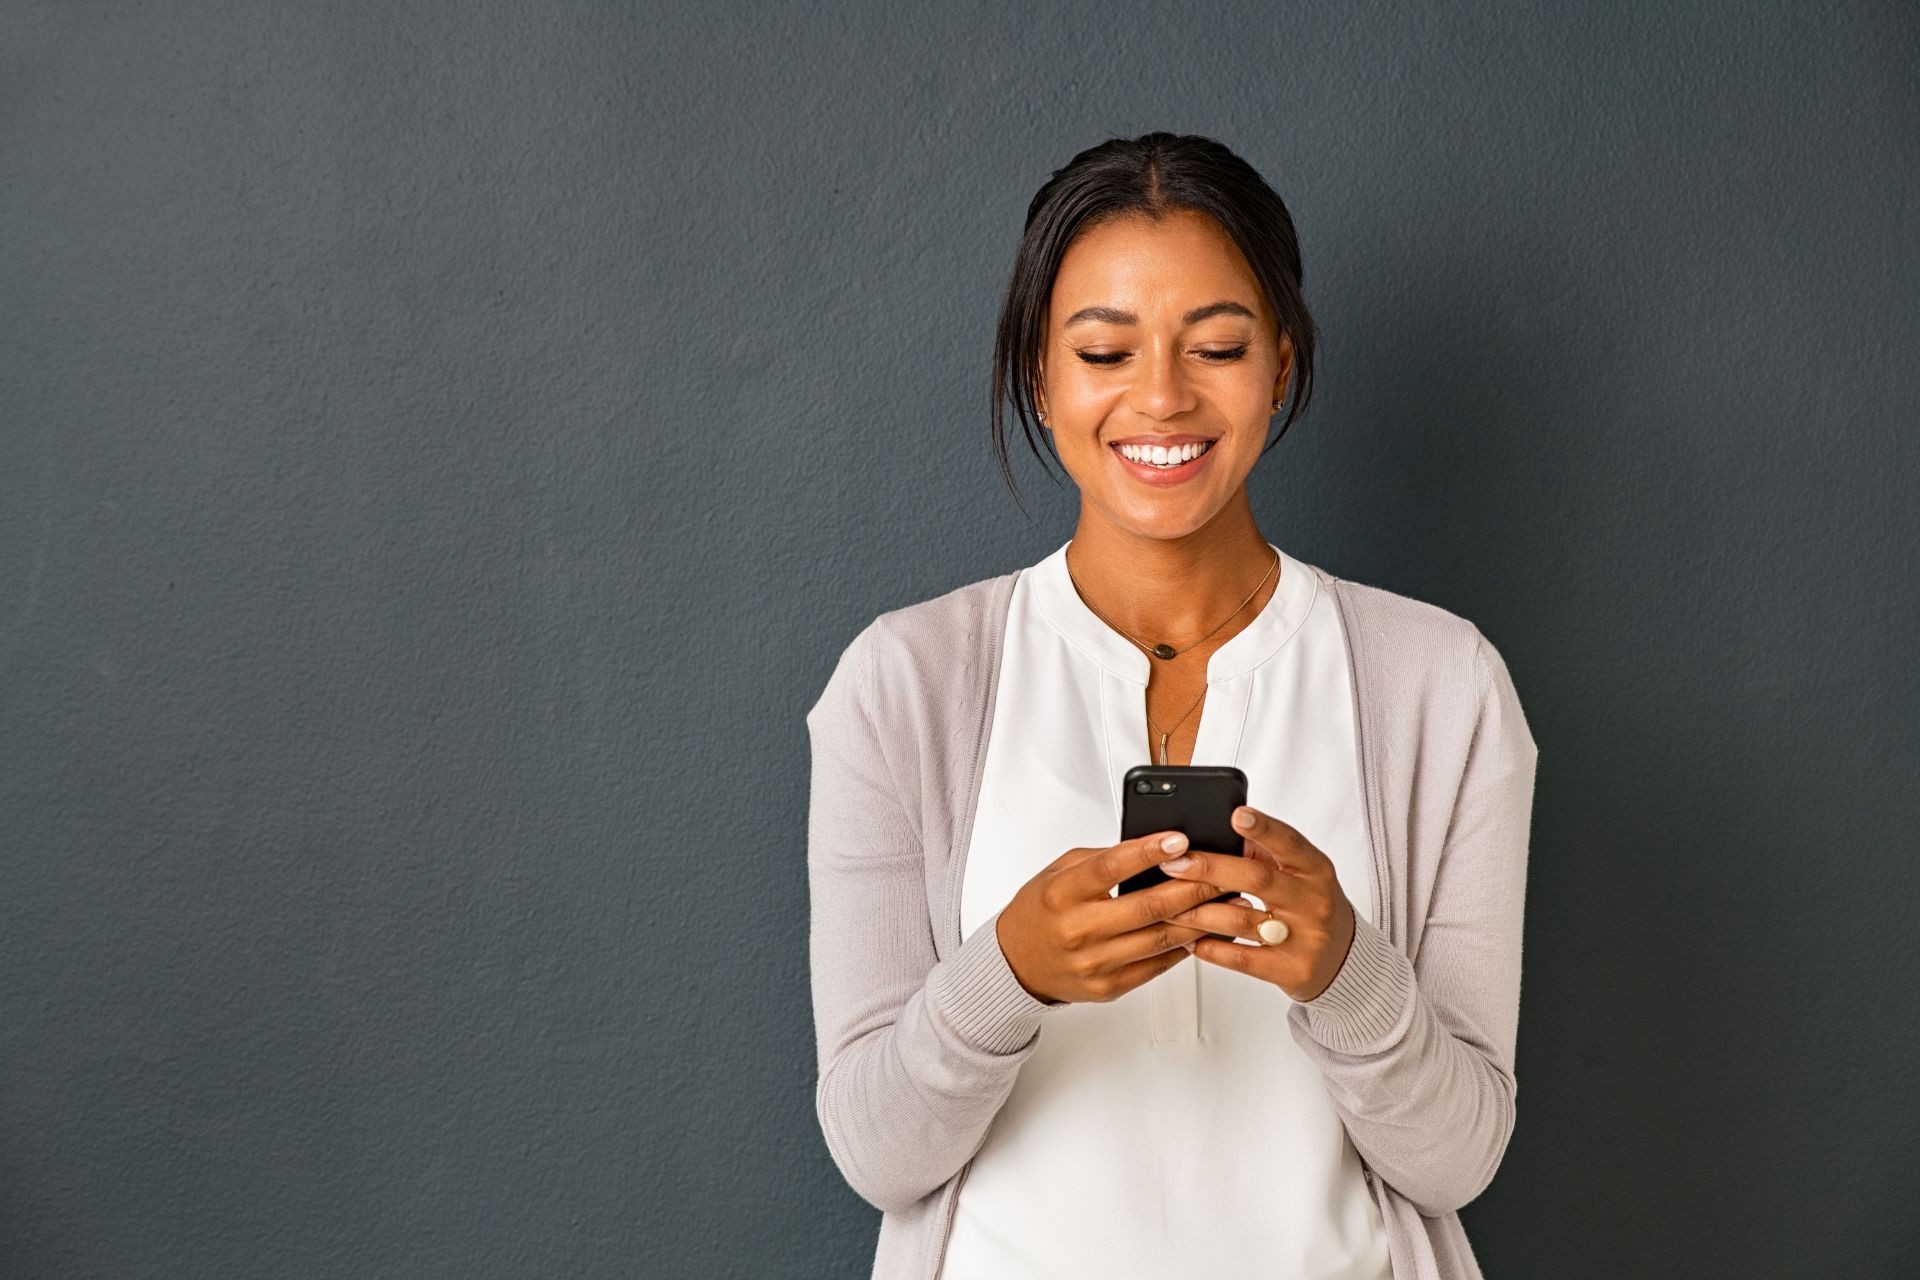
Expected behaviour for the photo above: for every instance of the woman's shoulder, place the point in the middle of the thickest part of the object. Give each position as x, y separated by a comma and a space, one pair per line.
960, 621
1404, 637
934, 653
1391, 611
929, 649
1424, 662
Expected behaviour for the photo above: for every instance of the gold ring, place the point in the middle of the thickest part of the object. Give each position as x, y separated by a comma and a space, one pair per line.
1273, 932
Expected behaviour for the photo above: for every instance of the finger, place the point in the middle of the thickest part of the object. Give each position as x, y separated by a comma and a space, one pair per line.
1117, 953
1145, 907
1230, 918
1108, 867
1127, 977
1228, 871
1087, 853
1269, 964
1074, 883
1279, 844
1080, 853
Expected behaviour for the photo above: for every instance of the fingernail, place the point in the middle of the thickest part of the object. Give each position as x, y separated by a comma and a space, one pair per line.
1176, 864
1241, 818
1174, 843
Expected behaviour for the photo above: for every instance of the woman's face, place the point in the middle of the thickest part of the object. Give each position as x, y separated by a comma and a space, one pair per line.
1158, 334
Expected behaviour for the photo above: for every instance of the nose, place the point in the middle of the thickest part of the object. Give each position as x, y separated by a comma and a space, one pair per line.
1160, 391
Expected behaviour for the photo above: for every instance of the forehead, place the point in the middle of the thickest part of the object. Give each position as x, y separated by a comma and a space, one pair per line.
1153, 267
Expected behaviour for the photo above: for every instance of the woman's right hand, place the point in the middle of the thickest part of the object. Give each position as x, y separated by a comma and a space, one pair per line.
1066, 939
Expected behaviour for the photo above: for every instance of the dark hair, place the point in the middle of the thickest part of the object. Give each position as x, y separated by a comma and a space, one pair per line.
1152, 175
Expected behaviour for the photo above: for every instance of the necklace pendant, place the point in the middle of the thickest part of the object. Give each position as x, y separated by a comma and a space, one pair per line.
1163, 651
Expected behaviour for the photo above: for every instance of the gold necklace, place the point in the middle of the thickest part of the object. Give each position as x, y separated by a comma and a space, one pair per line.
1167, 652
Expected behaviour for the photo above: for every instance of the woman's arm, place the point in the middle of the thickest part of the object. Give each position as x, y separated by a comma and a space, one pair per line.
916, 1055
1418, 1059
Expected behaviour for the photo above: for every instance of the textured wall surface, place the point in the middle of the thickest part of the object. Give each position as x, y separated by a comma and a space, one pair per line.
444, 448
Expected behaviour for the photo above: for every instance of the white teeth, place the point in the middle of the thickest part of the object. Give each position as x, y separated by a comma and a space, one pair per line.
1161, 456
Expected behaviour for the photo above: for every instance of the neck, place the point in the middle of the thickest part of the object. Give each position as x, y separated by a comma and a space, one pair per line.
1173, 590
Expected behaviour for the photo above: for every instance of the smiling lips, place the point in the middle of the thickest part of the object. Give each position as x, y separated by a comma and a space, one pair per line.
1170, 472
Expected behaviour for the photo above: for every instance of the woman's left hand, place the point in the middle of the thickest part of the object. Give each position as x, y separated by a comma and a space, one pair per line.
1298, 884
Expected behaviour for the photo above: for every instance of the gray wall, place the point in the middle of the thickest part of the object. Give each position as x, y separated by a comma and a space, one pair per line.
445, 448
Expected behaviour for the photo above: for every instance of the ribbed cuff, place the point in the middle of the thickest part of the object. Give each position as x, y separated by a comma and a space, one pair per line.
980, 997
1369, 1003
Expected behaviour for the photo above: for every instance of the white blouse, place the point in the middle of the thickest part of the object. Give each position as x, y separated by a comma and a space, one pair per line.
1178, 1129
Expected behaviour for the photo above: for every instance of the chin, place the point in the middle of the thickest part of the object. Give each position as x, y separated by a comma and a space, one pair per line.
1166, 519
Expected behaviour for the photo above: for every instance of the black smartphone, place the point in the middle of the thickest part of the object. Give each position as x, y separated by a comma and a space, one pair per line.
1197, 799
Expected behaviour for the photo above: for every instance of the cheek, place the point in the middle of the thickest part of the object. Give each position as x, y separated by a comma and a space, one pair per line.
1079, 392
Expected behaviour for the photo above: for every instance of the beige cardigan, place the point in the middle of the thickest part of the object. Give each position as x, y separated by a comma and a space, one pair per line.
920, 1034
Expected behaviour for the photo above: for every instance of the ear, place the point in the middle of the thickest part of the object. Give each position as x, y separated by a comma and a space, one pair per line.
1286, 367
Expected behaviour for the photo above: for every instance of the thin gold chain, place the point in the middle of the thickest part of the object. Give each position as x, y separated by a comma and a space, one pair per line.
1176, 725
1153, 650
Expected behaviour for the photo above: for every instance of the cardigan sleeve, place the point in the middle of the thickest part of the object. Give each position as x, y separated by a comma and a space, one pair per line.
916, 1055
1418, 1058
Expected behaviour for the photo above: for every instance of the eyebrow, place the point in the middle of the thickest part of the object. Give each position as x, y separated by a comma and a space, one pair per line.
1113, 315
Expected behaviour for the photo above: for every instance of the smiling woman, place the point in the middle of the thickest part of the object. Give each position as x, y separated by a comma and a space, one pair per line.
1293, 1057
1219, 369
1222, 222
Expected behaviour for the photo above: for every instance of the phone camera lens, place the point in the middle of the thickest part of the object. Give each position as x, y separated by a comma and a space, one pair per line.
1143, 787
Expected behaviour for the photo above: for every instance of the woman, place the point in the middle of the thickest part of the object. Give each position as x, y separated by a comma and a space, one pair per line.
1033, 1076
